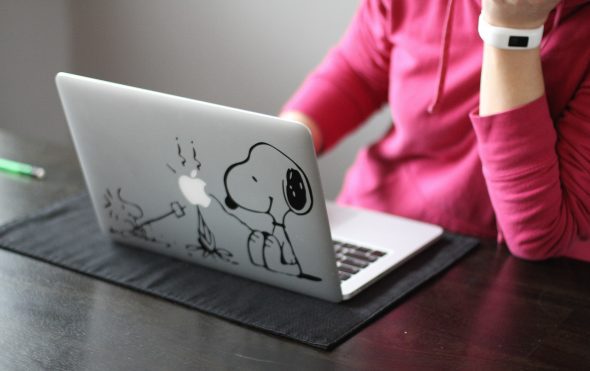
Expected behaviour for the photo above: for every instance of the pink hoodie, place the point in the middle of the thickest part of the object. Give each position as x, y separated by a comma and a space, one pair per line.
522, 175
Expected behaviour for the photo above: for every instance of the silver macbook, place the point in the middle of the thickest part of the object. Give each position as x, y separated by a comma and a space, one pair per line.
226, 188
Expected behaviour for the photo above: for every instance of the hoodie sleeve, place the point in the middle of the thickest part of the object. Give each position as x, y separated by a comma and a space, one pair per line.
538, 175
352, 81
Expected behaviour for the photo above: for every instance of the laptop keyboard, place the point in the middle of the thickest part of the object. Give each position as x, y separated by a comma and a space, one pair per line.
351, 259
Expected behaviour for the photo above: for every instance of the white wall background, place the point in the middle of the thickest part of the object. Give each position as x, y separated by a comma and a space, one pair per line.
34, 44
250, 54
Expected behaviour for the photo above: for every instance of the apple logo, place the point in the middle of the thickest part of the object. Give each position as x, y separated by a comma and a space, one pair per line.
193, 189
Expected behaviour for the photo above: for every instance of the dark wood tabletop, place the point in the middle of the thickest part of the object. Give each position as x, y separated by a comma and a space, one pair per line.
489, 311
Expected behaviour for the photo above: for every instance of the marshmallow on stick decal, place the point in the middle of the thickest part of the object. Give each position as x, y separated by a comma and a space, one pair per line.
193, 189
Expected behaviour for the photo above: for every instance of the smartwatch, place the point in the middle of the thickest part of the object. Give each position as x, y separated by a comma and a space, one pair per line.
509, 38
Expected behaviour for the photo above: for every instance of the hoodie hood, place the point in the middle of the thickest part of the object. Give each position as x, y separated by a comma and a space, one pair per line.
561, 11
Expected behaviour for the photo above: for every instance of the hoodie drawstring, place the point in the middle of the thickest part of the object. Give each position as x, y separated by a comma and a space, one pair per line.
444, 56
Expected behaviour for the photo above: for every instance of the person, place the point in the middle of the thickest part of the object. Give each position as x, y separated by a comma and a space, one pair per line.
488, 138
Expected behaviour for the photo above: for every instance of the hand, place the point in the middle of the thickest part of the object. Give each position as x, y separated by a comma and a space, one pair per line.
307, 121
256, 248
517, 13
274, 256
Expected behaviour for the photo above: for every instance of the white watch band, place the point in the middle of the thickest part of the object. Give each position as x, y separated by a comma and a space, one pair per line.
509, 38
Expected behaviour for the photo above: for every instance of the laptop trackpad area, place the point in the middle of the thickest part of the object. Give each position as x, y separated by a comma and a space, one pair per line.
376, 230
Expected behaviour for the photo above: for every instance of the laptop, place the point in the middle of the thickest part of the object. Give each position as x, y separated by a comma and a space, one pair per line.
228, 189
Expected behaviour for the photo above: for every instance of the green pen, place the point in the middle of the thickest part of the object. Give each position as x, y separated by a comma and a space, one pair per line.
20, 168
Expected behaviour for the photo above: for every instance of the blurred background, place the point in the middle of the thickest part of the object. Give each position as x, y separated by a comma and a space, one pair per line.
250, 54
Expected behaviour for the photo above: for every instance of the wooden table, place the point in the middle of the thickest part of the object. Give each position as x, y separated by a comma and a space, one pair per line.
490, 311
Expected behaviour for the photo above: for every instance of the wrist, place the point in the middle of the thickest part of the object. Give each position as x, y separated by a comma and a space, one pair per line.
307, 121
509, 79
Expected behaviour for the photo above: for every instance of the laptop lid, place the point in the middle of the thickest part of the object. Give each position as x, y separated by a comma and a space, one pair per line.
226, 188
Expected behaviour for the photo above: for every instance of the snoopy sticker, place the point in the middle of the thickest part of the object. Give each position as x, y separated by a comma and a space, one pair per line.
253, 184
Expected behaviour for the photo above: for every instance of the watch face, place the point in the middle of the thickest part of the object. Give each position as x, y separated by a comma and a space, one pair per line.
518, 41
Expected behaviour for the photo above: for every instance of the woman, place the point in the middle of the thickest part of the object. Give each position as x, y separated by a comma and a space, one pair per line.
490, 138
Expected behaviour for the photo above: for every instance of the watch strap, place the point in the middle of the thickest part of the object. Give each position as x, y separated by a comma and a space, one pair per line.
509, 38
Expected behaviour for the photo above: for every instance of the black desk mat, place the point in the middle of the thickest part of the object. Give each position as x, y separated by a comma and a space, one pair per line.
66, 234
